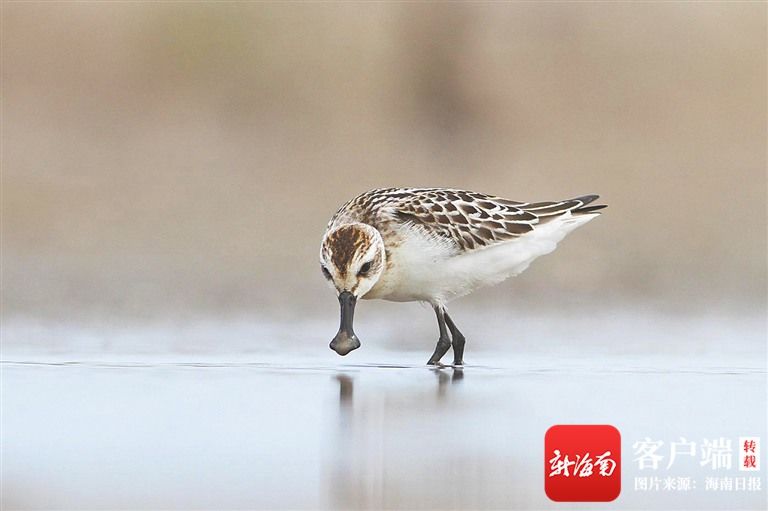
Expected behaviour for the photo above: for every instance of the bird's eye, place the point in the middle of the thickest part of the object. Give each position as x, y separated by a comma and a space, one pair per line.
326, 273
365, 268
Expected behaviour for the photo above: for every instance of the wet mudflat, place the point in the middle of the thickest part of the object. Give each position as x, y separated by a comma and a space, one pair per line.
382, 431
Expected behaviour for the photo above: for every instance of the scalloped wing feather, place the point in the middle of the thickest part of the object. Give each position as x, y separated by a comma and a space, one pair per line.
467, 220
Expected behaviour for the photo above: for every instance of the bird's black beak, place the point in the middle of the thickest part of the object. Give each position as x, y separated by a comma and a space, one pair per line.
346, 340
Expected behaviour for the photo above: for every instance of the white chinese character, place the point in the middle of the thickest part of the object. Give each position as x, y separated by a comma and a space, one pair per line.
754, 484
645, 450
641, 483
684, 484
741, 483
726, 484
669, 483
717, 453
711, 483
583, 466
683, 447
558, 466
606, 464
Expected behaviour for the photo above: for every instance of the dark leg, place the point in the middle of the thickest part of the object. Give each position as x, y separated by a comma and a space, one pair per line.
457, 341
444, 342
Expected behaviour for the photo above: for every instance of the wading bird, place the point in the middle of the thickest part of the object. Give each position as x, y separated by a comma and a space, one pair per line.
433, 245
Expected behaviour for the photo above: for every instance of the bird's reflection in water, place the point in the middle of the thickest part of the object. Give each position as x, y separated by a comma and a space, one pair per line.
346, 387
443, 379
369, 454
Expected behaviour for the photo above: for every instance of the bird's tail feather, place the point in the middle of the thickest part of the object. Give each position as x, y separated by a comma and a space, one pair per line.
583, 209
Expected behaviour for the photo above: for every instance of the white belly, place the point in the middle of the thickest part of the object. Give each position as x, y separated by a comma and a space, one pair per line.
422, 270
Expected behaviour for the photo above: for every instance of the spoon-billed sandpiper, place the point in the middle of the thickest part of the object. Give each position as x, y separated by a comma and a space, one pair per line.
436, 244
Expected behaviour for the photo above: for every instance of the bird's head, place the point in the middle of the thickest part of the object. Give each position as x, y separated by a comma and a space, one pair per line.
352, 259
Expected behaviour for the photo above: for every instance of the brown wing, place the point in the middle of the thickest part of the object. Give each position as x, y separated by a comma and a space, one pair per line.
467, 220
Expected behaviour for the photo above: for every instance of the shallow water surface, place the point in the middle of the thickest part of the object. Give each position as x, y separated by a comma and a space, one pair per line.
211, 433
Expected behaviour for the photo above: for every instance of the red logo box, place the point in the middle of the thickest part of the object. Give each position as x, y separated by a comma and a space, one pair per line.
582, 463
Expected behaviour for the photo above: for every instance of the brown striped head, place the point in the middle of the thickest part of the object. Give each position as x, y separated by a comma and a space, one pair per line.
352, 258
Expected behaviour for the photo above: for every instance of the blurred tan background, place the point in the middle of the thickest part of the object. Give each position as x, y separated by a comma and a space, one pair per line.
176, 159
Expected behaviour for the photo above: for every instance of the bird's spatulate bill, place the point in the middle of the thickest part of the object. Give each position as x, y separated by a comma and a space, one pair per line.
346, 340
